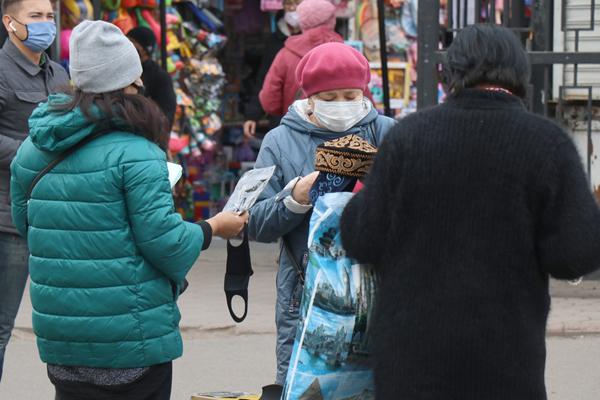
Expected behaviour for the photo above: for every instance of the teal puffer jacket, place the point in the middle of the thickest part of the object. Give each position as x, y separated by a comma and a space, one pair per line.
104, 242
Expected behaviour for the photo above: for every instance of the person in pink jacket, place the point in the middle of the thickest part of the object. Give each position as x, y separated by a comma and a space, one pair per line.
317, 20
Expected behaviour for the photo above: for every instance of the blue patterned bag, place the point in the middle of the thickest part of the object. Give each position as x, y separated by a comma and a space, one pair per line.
331, 357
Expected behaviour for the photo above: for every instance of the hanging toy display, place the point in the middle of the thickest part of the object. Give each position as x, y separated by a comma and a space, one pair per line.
198, 79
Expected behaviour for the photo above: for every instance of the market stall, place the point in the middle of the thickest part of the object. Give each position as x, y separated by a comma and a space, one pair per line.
212, 50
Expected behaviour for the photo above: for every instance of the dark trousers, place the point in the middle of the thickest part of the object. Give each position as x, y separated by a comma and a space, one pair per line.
14, 270
153, 385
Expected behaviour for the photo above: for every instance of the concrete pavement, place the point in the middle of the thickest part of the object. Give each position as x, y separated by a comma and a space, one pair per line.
575, 309
222, 355
247, 362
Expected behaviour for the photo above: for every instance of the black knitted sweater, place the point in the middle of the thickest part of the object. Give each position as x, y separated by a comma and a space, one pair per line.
469, 207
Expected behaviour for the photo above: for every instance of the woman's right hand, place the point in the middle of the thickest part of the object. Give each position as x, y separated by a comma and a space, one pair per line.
227, 224
249, 129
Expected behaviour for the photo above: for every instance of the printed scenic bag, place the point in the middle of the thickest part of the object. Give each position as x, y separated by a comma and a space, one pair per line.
331, 356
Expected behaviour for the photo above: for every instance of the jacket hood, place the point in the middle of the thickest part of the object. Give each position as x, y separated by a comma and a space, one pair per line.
51, 131
283, 31
308, 40
295, 122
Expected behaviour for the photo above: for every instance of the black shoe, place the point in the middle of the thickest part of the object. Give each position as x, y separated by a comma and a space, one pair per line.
271, 392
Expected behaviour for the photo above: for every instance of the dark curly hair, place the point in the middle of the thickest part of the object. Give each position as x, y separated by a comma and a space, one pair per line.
486, 54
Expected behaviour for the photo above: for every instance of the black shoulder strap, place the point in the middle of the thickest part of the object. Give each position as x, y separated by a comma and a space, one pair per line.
299, 271
64, 155
372, 124
61, 157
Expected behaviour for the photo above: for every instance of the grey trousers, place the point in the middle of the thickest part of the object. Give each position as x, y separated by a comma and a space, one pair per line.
14, 270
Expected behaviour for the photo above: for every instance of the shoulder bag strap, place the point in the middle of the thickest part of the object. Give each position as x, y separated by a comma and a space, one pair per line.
372, 124
64, 155
61, 157
299, 271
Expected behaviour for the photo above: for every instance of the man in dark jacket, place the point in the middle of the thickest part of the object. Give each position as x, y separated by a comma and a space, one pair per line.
253, 109
27, 77
157, 82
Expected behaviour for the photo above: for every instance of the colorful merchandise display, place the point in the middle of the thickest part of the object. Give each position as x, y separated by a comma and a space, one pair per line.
198, 77
401, 45
399, 85
213, 52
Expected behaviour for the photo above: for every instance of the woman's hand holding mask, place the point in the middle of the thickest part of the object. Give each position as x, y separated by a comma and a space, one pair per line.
227, 224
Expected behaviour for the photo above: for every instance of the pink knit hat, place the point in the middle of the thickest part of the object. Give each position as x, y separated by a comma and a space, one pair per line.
332, 66
313, 13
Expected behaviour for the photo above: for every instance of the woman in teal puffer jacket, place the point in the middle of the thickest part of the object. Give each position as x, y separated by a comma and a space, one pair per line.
108, 252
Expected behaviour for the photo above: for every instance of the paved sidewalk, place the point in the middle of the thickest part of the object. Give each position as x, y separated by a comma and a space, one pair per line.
575, 310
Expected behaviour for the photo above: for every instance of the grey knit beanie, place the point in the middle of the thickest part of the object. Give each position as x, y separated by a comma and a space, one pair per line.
102, 59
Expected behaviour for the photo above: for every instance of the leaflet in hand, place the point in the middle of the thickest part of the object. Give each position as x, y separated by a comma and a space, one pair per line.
175, 172
250, 186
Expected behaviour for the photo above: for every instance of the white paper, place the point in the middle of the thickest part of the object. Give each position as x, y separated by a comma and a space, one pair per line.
175, 172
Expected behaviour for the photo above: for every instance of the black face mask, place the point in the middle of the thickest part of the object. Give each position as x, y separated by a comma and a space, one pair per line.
141, 89
238, 273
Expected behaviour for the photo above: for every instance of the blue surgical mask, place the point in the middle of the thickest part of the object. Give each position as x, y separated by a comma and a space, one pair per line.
40, 35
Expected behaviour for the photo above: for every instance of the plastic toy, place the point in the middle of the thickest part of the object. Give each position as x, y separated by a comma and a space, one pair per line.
111, 16
176, 144
177, 63
212, 17
170, 66
111, 5
124, 21
155, 26
128, 3
173, 42
200, 15
75, 11
212, 123
185, 50
173, 19
141, 21
182, 98
194, 149
65, 35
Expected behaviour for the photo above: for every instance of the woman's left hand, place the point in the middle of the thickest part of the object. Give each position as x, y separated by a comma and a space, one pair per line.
302, 187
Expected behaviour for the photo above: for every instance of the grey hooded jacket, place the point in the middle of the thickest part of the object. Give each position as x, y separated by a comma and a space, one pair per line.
23, 85
292, 148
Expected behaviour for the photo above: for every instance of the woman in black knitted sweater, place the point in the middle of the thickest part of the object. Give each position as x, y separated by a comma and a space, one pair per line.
469, 208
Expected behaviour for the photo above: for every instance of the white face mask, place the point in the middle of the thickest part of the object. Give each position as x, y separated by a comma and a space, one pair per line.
339, 116
291, 17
